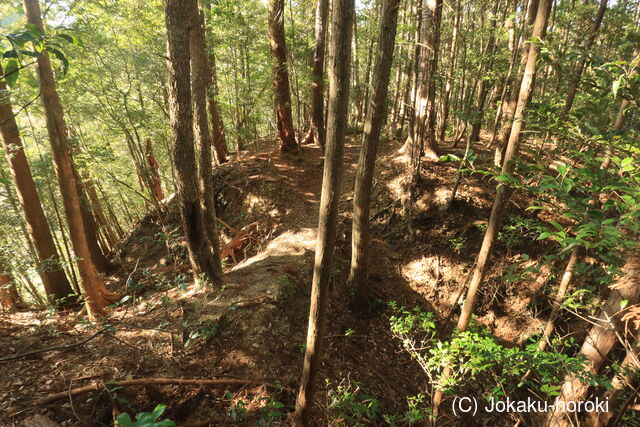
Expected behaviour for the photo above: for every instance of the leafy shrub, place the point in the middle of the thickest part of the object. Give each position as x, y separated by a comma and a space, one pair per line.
145, 419
475, 356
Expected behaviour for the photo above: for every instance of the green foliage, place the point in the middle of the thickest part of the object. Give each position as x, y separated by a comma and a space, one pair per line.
271, 412
475, 357
145, 419
348, 404
31, 43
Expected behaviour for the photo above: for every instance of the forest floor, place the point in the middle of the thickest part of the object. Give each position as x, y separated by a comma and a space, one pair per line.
254, 327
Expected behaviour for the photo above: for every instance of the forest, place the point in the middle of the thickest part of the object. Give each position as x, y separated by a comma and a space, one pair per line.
320, 213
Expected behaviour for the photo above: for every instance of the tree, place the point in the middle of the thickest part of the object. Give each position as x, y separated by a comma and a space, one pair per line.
200, 82
574, 81
360, 238
50, 268
181, 21
501, 198
281, 77
425, 119
339, 77
93, 288
453, 52
508, 110
317, 74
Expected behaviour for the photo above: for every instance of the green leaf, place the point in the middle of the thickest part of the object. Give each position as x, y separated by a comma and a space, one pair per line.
11, 72
158, 410
624, 303
125, 420
58, 54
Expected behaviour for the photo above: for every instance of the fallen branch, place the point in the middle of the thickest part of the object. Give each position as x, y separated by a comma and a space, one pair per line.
99, 385
58, 347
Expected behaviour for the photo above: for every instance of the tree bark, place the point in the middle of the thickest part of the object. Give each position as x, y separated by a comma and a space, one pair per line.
156, 183
360, 239
501, 198
509, 109
98, 258
424, 122
281, 77
200, 81
217, 125
50, 268
453, 50
9, 296
339, 77
180, 22
574, 258
485, 66
93, 288
602, 339
317, 74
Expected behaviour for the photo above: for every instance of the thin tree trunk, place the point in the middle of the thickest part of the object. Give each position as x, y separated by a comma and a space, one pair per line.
485, 66
317, 74
98, 212
281, 77
574, 81
93, 288
50, 268
574, 258
339, 78
453, 50
200, 81
360, 243
98, 258
509, 109
217, 125
501, 197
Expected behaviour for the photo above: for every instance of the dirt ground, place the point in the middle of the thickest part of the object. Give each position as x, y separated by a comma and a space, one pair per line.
254, 327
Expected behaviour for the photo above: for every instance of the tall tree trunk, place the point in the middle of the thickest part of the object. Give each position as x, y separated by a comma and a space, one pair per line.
601, 340
317, 74
339, 77
217, 125
200, 81
485, 66
424, 122
50, 268
574, 81
95, 293
9, 297
507, 82
281, 77
509, 109
453, 50
360, 240
501, 198
180, 18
